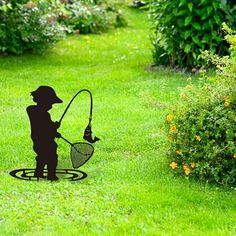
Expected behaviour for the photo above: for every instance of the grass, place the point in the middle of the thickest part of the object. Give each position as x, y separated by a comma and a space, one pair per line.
130, 189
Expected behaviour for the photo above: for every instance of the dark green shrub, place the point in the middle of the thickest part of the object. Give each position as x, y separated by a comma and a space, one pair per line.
183, 29
201, 129
24, 26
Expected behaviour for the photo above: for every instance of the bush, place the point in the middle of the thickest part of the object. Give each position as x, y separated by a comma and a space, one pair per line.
201, 130
87, 16
183, 29
27, 26
24, 26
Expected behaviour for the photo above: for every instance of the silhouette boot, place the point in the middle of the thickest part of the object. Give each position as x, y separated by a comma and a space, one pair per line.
39, 168
52, 170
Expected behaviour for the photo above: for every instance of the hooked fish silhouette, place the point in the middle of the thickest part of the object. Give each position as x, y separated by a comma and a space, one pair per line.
88, 135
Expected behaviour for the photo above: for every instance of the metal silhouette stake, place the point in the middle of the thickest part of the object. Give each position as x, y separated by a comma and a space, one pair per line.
43, 134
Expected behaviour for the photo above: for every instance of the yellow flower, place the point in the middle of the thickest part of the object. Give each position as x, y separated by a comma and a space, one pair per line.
226, 98
178, 152
169, 117
185, 167
193, 165
198, 138
87, 37
234, 156
183, 95
173, 165
173, 129
170, 138
187, 171
226, 103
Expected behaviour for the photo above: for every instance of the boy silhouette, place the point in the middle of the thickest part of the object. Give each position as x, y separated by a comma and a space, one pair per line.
44, 131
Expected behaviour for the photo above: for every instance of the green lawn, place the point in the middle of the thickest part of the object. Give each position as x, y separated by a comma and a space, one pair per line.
130, 189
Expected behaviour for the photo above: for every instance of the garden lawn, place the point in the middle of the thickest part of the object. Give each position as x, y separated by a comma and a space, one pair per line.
130, 189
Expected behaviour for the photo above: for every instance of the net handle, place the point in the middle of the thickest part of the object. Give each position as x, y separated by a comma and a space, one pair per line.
66, 141
91, 106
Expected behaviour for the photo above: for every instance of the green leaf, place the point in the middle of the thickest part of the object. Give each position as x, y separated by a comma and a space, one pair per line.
187, 20
206, 38
190, 6
215, 5
175, 12
187, 34
206, 26
181, 13
196, 39
182, 2
196, 26
217, 19
209, 10
203, 2
180, 23
198, 12
216, 37
182, 44
203, 14
4, 8
211, 22
187, 48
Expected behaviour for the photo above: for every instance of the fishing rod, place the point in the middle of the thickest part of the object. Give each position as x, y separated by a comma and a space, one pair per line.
88, 130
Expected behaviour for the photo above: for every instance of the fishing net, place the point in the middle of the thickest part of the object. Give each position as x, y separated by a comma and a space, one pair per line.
80, 153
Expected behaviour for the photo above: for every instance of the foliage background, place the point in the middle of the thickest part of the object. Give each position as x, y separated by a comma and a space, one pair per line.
38, 25
183, 30
26, 27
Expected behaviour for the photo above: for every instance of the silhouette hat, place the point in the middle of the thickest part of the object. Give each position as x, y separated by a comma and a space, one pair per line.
45, 94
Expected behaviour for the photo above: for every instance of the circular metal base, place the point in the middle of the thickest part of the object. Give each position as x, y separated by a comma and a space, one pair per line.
68, 174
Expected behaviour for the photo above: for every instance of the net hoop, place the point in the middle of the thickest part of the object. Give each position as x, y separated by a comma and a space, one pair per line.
90, 154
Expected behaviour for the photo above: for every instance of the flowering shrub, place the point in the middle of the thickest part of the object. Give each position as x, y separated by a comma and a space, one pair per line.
87, 16
25, 26
93, 17
201, 130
